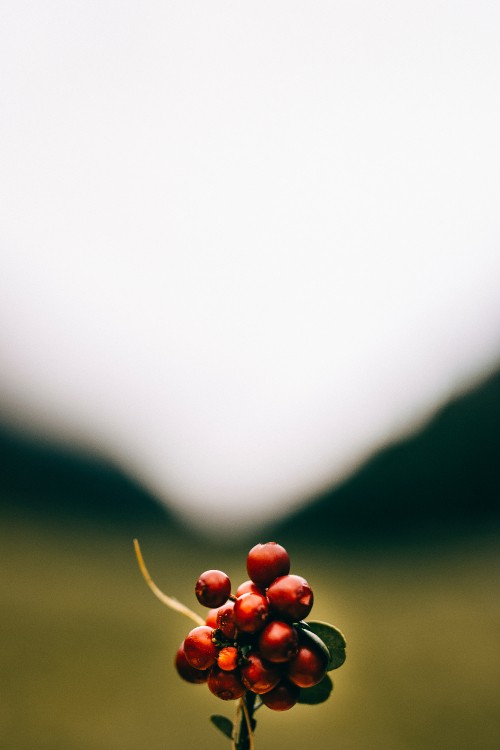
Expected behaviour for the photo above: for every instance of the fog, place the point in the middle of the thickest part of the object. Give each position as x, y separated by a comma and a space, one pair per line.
242, 245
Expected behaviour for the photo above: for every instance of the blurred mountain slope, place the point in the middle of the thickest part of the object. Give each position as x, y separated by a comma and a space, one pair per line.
444, 477
441, 479
46, 480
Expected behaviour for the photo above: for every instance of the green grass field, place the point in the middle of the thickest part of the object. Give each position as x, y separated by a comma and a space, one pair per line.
86, 650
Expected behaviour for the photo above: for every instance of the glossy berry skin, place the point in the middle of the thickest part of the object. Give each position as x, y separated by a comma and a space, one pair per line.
227, 658
225, 621
278, 642
225, 685
268, 561
290, 597
199, 648
308, 667
213, 588
282, 697
249, 587
251, 612
186, 671
258, 676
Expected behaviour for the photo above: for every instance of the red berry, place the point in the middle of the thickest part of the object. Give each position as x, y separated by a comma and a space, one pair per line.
308, 667
282, 697
290, 597
258, 676
186, 671
265, 562
225, 621
248, 587
199, 647
213, 588
225, 685
227, 658
251, 612
278, 642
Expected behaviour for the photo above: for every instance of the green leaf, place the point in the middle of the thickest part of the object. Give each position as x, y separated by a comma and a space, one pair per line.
318, 693
224, 724
334, 641
245, 650
302, 624
312, 638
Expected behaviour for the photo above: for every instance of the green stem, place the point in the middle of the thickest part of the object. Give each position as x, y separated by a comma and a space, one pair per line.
243, 739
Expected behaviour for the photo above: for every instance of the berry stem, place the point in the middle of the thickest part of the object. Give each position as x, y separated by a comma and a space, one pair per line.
167, 600
243, 734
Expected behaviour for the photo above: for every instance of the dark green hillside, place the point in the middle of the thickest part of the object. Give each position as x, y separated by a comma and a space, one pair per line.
41, 479
445, 478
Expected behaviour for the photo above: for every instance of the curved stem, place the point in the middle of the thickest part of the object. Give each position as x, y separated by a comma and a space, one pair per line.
167, 600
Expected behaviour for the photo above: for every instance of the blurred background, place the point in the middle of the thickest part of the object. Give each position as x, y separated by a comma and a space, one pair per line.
249, 290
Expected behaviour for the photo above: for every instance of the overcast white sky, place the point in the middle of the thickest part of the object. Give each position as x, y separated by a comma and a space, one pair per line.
243, 243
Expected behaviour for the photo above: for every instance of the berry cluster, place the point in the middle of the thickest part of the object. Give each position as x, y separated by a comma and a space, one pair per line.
256, 640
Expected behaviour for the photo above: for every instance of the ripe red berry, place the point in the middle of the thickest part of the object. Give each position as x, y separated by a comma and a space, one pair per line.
227, 658
278, 642
225, 621
225, 685
199, 647
186, 671
290, 597
282, 697
258, 676
251, 612
308, 667
213, 588
248, 587
265, 562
